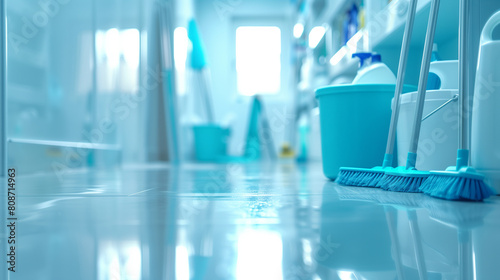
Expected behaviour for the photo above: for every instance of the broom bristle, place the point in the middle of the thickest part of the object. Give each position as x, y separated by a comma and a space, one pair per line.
372, 180
344, 177
402, 182
358, 177
456, 187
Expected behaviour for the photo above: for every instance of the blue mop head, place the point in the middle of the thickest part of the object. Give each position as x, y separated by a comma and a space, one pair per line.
404, 179
363, 177
458, 183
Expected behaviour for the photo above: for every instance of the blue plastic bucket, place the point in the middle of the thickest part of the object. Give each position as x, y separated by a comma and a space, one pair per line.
354, 122
210, 142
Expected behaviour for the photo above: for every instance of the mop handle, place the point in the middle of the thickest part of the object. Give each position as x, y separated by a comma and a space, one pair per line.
204, 86
401, 75
464, 75
424, 75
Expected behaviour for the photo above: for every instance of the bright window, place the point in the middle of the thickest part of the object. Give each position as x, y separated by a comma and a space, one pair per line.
258, 59
181, 47
117, 56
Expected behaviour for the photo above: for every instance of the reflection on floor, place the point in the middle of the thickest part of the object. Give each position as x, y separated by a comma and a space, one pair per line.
250, 221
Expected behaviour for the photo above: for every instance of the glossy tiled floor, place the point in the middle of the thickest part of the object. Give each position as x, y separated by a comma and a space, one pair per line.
271, 222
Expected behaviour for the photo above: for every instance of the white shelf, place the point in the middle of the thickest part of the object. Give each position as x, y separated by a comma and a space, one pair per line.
387, 28
81, 145
392, 33
331, 11
391, 19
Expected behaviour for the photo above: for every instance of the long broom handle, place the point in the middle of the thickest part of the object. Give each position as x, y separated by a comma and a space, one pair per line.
403, 61
424, 75
204, 88
463, 102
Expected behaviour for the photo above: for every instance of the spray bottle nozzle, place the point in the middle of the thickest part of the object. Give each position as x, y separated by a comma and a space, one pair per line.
376, 58
362, 57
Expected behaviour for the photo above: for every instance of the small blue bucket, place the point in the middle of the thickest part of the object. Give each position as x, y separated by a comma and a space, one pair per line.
354, 122
210, 142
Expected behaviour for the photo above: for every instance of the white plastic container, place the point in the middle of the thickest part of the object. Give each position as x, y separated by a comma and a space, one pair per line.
437, 147
375, 73
447, 70
485, 138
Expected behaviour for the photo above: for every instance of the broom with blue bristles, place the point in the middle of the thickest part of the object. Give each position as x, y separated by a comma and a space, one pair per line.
460, 182
363, 177
408, 178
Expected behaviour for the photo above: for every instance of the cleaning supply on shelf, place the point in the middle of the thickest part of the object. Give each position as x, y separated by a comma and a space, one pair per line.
353, 23
362, 15
433, 82
485, 141
350, 24
370, 177
345, 27
462, 182
372, 70
408, 178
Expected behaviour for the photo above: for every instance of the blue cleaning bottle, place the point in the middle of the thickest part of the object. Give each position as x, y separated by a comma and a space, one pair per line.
345, 28
353, 21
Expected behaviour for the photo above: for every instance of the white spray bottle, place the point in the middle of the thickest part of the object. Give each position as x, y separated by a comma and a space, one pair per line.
375, 72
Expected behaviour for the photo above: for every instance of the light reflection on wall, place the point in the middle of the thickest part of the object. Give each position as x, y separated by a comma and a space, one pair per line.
307, 252
119, 261
117, 57
346, 275
260, 254
181, 48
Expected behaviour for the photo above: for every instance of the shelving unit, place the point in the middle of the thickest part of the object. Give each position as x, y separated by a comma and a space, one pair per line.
384, 33
392, 35
331, 10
